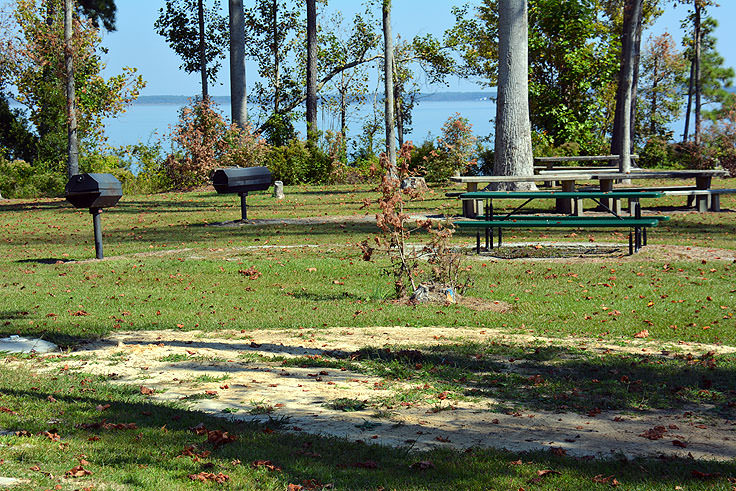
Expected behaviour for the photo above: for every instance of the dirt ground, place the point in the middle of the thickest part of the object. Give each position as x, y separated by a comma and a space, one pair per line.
243, 383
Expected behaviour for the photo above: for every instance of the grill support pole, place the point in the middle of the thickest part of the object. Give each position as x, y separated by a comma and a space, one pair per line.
243, 208
98, 231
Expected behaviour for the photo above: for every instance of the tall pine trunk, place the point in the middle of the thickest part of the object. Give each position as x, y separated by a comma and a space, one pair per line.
513, 145
276, 56
388, 63
622, 133
311, 69
238, 98
71, 105
698, 75
202, 49
688, 110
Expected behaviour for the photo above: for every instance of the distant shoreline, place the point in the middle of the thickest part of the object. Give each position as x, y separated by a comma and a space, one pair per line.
181, 100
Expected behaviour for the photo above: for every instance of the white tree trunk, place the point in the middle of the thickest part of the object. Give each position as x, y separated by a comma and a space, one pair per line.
71, 103
388, 63
513, 148
238, 98
626, 80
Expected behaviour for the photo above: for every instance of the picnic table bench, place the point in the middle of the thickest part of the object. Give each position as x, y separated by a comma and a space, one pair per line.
637, 223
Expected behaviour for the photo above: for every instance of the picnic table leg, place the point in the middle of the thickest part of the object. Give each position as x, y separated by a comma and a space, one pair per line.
470, 207
606, 185
564, 205
703, 202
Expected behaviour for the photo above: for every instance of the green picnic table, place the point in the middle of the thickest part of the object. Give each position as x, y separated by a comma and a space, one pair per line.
636, 223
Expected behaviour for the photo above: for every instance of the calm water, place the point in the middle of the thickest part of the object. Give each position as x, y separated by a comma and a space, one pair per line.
145, 122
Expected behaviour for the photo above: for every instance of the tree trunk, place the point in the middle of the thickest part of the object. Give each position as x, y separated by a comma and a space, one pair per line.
202, 49
621, 143
238, 98
398, 110
635, 84
311, 69
71, 105
655, 84
698, 75
276, 57
343, 108
388, 63
690, 90
513, 146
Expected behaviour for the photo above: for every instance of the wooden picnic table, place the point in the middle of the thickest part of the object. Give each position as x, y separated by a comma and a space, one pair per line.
606, 180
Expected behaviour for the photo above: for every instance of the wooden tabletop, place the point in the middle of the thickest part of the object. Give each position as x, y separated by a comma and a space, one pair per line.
560, 194
535, 178
594, 175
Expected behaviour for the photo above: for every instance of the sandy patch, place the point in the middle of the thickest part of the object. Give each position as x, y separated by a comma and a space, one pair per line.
245, 381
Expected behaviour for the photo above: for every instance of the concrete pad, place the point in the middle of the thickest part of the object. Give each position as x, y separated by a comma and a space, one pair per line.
6, 482
18, 344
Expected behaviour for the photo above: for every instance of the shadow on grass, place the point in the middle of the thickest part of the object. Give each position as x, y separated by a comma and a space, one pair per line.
155, 435
547, 378
564, 379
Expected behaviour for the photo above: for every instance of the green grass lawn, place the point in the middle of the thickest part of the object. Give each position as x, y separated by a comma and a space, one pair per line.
170, 267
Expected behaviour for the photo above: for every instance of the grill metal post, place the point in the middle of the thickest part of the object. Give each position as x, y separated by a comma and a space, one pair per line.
98, 231
243, 206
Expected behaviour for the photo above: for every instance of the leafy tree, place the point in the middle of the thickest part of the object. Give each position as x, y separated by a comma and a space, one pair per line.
38, 51
272, 40
663, 72
573, 59
713, 81
338, 46
195, 33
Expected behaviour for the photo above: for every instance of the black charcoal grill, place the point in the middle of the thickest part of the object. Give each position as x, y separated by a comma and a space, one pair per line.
241, 180
94, 191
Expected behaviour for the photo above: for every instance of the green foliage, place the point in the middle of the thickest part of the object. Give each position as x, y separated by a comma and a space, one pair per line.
300, 162
718, 143
660, 87
178, 23
453, 152
204, 142
715, 77
658, 153
16, 139
19, 179
573, 61
272, 38
278, 130
148, 161
99, 10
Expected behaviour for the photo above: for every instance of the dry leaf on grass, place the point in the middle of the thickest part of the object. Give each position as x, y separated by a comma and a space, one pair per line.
219, 478
77, 471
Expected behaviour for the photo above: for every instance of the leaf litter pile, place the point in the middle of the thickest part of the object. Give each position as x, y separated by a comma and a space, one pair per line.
439, 387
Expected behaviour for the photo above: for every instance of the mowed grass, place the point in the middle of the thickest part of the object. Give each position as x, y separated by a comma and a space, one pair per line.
121, 440
170, 267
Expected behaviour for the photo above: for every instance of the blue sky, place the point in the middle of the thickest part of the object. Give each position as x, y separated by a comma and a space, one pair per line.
136, 44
